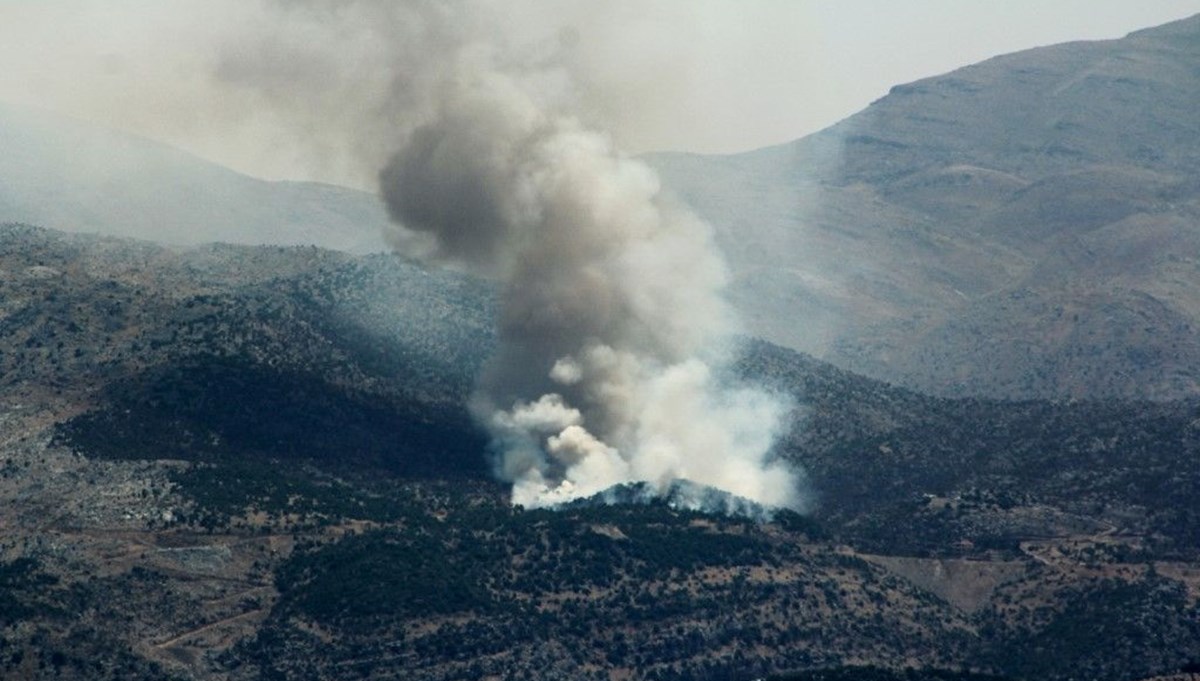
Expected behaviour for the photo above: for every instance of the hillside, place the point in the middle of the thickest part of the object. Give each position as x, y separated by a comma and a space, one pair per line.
254, 463
81, 178
1022, 227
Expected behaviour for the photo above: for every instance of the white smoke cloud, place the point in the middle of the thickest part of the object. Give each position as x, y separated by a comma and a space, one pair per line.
611, 315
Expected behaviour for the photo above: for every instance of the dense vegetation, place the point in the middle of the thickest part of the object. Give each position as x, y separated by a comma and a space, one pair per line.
1137, 624
46, 632
901, 472
877, 674
23, 591
229, 410
473, 587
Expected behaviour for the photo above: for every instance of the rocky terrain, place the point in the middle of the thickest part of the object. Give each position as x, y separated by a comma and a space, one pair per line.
1023, 227
254, 463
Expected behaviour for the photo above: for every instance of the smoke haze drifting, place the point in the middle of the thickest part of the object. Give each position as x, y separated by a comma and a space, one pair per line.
691, 75
609, 367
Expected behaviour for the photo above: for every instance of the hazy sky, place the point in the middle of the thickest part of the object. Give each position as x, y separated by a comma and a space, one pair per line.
695, 75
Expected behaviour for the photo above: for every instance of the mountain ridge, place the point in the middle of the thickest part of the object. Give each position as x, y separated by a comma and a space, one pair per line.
889, 242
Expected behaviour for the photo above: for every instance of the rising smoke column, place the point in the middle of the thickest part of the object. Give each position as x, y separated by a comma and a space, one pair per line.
608, 368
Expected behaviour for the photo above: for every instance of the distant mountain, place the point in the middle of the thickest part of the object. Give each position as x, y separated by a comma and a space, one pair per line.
62, 173
1025, 227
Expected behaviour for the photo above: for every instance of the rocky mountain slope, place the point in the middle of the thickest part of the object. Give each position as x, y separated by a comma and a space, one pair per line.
1023, 227
81, 178
254, 463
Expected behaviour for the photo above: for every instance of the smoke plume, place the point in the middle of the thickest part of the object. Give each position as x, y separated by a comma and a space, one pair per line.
612, 331
611, 317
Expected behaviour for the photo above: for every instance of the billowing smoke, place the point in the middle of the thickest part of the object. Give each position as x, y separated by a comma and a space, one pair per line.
613, 335
611, 329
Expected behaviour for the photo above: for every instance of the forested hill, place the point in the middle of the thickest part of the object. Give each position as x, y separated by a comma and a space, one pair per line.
255, 463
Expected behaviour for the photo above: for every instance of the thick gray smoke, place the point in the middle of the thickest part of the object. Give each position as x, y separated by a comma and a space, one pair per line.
610, 364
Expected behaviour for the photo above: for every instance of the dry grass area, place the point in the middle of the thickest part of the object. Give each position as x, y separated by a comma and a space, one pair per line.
966, 584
